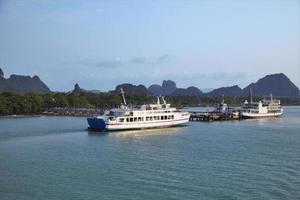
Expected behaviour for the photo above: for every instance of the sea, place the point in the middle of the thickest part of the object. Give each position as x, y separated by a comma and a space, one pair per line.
47, 157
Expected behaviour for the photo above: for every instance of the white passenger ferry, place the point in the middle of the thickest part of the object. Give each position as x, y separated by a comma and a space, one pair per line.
146, 116
264, 108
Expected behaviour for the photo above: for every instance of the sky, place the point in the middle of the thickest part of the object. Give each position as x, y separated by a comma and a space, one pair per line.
99, 44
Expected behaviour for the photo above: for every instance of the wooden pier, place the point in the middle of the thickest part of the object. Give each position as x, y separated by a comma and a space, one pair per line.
80, 112
213, 116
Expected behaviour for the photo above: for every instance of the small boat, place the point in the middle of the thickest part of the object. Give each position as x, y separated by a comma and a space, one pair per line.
223, 108
264, 108
145, 116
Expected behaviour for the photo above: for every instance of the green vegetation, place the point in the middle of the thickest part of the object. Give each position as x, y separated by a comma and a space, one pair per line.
13, 103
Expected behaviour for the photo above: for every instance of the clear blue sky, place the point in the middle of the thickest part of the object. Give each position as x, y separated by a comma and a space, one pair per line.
103, 43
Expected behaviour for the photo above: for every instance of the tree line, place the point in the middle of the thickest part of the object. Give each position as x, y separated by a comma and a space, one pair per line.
14, 104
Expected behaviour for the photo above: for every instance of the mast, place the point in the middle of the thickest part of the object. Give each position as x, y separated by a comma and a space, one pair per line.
271, 97
251, 95
123, 96
163, 99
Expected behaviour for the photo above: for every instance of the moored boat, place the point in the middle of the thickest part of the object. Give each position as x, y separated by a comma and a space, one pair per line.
264, 108
224, 109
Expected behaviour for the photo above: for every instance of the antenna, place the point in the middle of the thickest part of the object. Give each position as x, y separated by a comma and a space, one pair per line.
124, 100
251, 95
163, 98
271, 97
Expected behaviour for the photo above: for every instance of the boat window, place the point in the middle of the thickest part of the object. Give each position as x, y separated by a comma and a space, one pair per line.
147, 118
121, 119
135, 119
161, 117
139, 119
151, 118
131, 119
127, 119
166, 117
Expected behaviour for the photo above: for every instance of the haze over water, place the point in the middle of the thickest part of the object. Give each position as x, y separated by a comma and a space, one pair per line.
56, 158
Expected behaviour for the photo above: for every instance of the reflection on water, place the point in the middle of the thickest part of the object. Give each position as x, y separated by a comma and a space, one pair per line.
97, 133
139, 132
148, 132
264, 120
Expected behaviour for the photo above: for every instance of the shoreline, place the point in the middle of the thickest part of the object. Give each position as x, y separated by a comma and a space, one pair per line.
38, 115
87, 115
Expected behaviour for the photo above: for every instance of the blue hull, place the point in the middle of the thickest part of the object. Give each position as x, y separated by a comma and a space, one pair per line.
96, 124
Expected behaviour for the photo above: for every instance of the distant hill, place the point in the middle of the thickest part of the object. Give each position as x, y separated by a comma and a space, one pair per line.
277, 84
22, 84
155, 89
226, 91
78, 89
132, 89
1, 74
190, 91
169, 88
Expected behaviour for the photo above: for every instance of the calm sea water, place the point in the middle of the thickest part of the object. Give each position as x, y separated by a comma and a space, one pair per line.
56, 158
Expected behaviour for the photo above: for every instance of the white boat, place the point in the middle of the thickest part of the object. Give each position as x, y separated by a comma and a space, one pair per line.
264, 108
146, 116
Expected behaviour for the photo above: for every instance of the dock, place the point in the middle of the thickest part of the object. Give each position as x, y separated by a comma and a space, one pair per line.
222, 112
213, 116
80, 112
